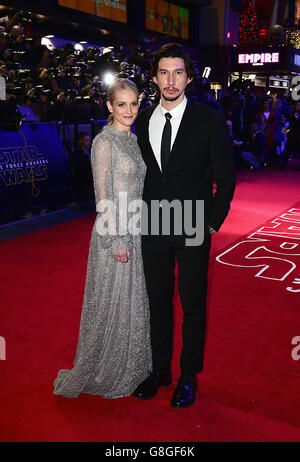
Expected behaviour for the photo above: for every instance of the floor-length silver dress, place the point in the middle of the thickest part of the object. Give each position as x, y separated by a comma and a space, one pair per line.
114, 351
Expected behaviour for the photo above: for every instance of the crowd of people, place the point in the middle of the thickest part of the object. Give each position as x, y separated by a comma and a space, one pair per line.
264, 130
63, 84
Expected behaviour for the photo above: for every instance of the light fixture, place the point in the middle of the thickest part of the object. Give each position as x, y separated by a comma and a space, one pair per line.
47, 42
206, 72
108, 78
78, 47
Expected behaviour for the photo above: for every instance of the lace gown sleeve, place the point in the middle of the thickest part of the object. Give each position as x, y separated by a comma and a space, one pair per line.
102, 161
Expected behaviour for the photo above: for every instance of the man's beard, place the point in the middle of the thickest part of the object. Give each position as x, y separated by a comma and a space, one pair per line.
171, 98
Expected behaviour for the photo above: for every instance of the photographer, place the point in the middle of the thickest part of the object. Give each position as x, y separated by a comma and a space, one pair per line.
17, 38
42, 59
83, 171
43, 79
92, 99
63, 77
30, 100
3, 42
62, 84
4, 72
9, 111
43, 105
56, 109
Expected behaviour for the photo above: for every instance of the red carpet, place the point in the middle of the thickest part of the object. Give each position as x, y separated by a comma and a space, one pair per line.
253, 317
249, 388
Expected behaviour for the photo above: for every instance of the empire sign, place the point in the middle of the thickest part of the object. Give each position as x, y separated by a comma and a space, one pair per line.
258, 59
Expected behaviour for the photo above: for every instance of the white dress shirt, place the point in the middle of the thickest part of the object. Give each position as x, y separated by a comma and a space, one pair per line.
157, 123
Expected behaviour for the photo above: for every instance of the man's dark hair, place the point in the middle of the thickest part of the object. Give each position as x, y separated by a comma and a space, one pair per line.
81, 135
171, 50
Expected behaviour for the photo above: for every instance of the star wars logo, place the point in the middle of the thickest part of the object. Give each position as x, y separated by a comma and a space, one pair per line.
22, 164
273, 249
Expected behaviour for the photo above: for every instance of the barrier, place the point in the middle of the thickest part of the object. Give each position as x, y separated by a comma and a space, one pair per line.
69, 132
36, 166
34, 170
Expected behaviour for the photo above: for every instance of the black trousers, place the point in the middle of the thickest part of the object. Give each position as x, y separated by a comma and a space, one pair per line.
159, 263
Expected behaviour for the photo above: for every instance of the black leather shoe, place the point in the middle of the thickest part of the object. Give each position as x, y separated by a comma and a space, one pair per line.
185, 392
150, 386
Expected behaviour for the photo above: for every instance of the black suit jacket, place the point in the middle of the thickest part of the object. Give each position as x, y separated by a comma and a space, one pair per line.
259, 145
201, 152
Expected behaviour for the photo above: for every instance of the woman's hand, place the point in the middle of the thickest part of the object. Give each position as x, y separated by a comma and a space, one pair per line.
122, 256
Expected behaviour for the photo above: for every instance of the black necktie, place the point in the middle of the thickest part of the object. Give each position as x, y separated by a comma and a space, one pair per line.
166, 142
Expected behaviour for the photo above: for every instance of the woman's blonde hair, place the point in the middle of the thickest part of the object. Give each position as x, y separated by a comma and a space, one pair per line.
119, 84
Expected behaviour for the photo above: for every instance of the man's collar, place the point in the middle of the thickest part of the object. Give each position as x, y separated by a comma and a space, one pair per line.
177, 110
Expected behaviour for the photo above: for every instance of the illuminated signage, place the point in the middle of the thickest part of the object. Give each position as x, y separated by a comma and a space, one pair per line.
297, 60
297, 13
277, 82
115, 10
167, 18
258, 59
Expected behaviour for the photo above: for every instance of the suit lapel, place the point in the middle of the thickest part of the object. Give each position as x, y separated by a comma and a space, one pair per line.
148, 154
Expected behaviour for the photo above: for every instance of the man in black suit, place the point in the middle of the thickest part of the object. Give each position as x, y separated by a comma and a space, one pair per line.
184, 145
259, 144
255, 153
83, 170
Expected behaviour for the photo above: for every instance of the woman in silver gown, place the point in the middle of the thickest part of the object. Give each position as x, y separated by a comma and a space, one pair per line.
114, 351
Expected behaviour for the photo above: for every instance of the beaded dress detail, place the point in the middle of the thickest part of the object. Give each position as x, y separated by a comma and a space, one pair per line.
114, 350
